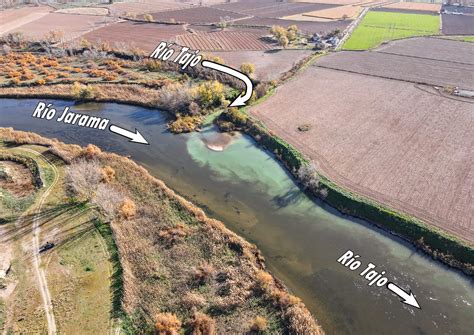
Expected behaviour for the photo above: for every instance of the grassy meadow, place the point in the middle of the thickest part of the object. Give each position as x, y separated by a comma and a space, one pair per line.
378, 27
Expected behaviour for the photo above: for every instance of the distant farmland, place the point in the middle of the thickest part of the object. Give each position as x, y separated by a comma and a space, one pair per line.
377, 27
458, 24
401, 67
224, 41
196, 15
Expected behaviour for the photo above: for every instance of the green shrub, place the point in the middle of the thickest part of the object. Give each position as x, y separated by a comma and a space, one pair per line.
210, 94
247, 68
82, 92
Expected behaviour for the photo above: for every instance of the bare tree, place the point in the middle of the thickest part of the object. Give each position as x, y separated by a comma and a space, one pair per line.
308, 176
84, 178
108, 199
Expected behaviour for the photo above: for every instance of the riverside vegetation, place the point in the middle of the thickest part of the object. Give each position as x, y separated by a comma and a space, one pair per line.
84, 72
175, 269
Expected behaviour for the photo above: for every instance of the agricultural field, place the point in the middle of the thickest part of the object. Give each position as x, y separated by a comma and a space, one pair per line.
269, 65
71, 25
224, 41
458, 24
336, 13
242, 6
442, 49
11, 19
195, 15
414, 6
401, 67
378, 27
145, 36
403, 144
272, 9
142, 7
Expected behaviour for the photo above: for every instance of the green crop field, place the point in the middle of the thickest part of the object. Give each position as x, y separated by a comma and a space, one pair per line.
468, 38
377, 27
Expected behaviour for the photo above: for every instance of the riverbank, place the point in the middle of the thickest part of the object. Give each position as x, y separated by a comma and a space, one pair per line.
436, 243
440, 245
177, 260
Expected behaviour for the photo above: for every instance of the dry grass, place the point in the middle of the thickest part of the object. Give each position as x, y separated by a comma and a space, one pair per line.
132, 94
176, 260
16, 178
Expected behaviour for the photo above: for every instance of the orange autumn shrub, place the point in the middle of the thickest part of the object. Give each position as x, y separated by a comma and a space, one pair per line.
167, 324
91, 151
127, 209
108, 174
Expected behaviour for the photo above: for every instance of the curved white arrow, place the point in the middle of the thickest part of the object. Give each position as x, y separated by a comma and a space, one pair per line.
241, 99
134, 137
408, 298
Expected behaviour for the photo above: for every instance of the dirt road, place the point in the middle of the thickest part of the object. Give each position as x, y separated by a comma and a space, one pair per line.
40, 272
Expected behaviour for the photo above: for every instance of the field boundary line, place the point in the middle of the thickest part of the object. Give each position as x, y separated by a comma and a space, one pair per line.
379, 76
419, 57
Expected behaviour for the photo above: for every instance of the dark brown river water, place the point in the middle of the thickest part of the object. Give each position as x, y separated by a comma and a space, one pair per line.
301, 239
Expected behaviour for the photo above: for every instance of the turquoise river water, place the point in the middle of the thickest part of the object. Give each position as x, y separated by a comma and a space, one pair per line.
300, 238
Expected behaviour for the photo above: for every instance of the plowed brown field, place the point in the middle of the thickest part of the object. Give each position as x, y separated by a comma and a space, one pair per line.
413, 69
269, 65
273, 9
14, 18
431, 48
224, 41
196, 15
120, 8
72, 25
401, 144
143, 35
458, 24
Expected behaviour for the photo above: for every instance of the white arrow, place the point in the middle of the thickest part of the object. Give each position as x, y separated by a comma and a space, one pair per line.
241, 99
134, 137
408, 298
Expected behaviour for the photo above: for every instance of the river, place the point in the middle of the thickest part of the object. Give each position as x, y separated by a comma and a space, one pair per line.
301, 239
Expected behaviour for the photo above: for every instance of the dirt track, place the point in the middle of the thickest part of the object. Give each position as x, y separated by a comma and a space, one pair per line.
40, 272
397, 143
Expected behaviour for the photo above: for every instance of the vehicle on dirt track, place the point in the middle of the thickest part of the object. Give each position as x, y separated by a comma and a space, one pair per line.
46, 247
